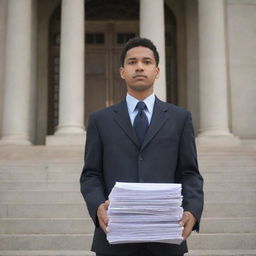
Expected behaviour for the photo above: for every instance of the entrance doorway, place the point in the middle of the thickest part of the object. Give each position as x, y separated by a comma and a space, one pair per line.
104, 41
108, 26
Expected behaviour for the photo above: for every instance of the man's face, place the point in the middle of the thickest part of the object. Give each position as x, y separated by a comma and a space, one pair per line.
139, 70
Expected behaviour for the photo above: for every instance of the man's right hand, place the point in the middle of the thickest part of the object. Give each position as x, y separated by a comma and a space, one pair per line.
102, 215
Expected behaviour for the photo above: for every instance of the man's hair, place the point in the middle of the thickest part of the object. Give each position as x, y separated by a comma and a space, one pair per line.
135, 42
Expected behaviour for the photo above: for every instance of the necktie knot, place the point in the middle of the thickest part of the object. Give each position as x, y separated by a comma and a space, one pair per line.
141, 106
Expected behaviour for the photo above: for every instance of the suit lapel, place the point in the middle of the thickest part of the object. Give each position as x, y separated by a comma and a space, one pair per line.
123, 120
159, 117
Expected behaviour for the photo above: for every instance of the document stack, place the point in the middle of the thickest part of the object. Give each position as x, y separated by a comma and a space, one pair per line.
145, 212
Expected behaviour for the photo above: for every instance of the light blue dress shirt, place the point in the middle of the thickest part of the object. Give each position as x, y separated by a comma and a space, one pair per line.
132, 102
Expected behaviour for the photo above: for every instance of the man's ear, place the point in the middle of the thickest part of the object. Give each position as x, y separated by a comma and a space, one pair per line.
157, 72
121, 71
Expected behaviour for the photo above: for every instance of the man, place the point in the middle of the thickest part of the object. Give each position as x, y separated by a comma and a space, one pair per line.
141, 139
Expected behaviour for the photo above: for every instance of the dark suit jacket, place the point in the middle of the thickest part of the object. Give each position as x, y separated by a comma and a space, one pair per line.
113, 153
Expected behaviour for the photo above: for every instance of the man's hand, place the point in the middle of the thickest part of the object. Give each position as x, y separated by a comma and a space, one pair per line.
102, 215
188, 221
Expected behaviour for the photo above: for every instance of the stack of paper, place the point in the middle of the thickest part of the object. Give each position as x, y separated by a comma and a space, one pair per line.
145, 212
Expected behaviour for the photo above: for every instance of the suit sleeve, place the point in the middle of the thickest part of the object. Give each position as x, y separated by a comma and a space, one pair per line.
91, 180
188, 173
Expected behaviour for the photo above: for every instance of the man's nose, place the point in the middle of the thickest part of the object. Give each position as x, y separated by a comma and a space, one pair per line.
140, 66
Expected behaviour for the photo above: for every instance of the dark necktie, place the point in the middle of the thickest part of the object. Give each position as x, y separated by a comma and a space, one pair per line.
141, 122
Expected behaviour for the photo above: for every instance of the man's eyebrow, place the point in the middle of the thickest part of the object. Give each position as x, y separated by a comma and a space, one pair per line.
132, 58
147, 58
144, 58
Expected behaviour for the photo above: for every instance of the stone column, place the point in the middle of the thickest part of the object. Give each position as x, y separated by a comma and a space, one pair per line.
152, 27
18, 91
213, 71
71, 101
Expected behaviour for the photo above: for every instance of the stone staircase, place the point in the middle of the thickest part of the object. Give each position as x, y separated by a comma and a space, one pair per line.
43, 213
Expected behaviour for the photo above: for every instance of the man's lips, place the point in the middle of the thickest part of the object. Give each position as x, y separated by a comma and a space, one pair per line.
139, 76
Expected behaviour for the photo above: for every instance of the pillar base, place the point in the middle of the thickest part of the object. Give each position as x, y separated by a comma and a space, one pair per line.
66, 139
69, 130
226, 139
15, 140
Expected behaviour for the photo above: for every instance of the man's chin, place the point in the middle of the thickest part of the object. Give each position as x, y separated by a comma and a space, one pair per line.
140, 88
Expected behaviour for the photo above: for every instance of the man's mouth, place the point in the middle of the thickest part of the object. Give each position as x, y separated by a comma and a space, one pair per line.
140, 76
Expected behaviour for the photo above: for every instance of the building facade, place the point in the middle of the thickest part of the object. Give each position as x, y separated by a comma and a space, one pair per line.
59, 61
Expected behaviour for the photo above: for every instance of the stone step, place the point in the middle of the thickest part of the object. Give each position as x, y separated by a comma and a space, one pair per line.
222, 241
221, 158
229, 170
228, 185
46, 226
75, 185
86, 226
231, 210
77, 166
45, 242
49, 154
53, 210
87, 253
228, 225
24, 197
65, 210
228, 164
227, 159
41, 175
221, 252
236, 157
211, 196
39, 185
231, 177
83, 241
67, 176
47, 166
231, 196
64, 159
46, 253
227, 155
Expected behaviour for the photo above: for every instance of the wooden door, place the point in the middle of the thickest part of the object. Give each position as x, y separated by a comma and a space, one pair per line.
104, 41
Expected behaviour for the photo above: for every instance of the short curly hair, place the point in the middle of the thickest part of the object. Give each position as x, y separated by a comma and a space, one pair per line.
135, 42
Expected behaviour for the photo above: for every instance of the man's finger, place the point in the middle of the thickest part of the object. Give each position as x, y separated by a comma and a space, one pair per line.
183, 220
188, 228
186, 232
103, 226
102, 215
107, 202
105, 219
187, 221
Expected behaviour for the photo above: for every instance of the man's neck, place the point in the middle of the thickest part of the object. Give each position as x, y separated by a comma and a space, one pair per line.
140, 95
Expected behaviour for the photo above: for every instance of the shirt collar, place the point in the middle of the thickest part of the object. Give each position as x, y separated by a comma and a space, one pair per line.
132, 102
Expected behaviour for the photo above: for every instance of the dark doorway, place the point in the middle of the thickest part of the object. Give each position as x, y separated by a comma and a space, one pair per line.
108, 25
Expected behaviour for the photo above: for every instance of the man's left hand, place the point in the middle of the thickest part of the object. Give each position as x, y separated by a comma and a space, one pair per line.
188, 221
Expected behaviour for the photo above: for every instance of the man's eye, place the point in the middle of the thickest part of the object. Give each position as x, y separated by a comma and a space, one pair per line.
131, 62
147, 62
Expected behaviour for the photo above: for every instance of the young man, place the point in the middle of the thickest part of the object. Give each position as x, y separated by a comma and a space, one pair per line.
141, 139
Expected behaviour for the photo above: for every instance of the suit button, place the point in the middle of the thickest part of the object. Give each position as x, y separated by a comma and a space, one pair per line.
140, 158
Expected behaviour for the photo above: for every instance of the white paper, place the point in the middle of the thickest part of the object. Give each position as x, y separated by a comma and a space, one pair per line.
145, 212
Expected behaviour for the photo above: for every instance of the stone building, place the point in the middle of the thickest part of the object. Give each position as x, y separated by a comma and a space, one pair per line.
59, 62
